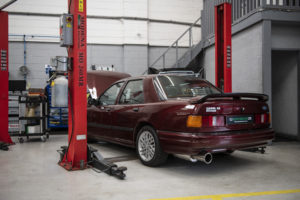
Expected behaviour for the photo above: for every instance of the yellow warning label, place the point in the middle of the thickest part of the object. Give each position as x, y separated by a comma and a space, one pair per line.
69, 25
80, 6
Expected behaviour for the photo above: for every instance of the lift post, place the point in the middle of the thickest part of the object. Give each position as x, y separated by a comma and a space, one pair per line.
223, 47
76, 153
4, 136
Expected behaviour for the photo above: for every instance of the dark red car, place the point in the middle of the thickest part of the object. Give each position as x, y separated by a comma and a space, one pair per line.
177, 114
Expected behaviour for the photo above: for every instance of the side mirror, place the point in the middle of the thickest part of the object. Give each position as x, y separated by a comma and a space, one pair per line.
98, 102
92, 101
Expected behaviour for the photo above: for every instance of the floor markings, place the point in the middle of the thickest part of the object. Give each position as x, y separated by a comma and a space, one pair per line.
223, 196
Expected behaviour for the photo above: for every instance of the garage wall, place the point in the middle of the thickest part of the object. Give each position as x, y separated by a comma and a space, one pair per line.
38, 55
131, 59
108, 22
286, 36
170, 57
128, 34
209, 64
285, 92
135, 59
246, 59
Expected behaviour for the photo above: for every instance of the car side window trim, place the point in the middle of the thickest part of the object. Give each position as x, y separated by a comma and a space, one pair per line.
159, 90
121, 88
124, 88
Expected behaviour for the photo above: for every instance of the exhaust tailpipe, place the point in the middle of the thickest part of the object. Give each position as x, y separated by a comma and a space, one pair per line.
206, 157
186, 157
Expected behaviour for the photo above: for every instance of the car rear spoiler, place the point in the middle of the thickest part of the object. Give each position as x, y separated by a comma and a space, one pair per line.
236, 96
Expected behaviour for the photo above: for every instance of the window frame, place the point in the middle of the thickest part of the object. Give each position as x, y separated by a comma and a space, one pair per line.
123, 89
165, 95
117, 97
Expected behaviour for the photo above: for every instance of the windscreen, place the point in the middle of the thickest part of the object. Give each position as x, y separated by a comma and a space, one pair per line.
185, 86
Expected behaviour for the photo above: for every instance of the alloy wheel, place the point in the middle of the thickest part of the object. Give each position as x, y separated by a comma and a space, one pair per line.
146, 146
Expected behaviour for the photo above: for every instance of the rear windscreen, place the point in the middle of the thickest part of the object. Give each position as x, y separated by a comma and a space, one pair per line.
185, 86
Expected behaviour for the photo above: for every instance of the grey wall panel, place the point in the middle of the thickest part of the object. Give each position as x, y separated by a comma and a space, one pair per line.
286, 36
37, 55
16, 59
285, 92
135, 59
209, 64
105, 55
170, 58
246, 61
132, 59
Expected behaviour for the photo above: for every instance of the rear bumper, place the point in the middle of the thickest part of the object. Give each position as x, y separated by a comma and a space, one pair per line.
193, 143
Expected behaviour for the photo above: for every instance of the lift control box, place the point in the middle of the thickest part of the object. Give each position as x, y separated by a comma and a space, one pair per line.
66, 30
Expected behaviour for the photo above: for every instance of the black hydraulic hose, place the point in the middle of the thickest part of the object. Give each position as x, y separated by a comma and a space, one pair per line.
72, 113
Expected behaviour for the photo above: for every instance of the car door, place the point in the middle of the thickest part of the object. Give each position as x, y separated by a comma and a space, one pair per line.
99, 117
128, 111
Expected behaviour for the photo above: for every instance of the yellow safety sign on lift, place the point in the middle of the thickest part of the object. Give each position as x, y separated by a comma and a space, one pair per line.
80, 6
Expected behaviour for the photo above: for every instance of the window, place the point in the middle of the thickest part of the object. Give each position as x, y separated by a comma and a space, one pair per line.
133, 93
185, 86
109, 97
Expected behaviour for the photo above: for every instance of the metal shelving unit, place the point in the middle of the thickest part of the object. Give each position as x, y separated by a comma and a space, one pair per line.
32, 120
13, 113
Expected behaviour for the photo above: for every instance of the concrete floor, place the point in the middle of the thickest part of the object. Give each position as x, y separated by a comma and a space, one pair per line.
30, 171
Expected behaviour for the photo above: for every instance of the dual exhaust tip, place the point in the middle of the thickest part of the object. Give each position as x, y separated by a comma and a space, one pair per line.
205, 157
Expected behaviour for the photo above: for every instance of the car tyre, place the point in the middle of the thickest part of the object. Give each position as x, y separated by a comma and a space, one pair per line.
148, 147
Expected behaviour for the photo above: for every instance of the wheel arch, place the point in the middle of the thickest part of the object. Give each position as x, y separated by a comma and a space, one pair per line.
138, 128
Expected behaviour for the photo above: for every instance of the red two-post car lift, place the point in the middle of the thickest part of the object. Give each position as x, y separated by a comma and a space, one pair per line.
223, 48
4, 136
78, 155
75, 156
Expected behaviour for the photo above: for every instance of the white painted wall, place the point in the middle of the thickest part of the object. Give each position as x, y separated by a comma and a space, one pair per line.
166, 34
135, 32
39, 6
104, 31
110, 31
177, 10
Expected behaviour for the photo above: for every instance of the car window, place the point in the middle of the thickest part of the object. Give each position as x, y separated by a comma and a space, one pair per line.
159, 90
185, 86
133, 93
110, 95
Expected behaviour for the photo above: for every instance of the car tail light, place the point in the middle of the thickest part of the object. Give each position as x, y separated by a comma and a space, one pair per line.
194, 121
212, 121
262, 118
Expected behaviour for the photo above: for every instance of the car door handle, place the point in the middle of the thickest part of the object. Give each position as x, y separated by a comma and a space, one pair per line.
108, 109
135, 109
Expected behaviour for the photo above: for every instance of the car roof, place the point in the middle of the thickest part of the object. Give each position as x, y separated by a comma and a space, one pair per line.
150, 76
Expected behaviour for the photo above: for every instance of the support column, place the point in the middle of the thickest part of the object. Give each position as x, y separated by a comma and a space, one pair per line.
298, 89
267, 60
4, 136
